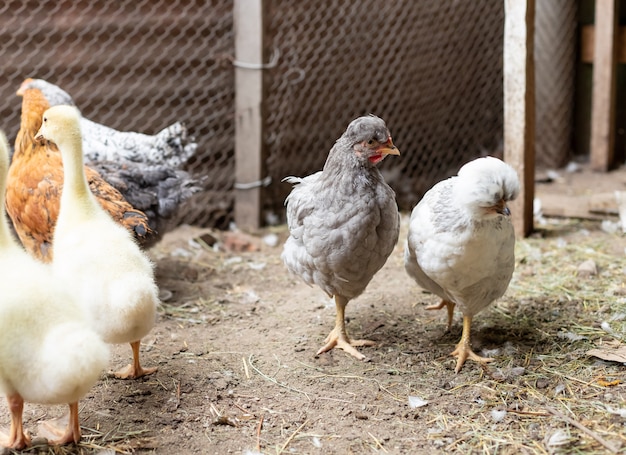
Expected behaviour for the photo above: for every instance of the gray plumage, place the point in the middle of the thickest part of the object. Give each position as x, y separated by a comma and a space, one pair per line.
157, 190
146, 169
172, 146
343, 221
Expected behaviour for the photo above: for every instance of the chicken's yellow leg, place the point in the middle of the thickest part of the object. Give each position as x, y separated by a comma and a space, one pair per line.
449, 306
134, 370
338, 337
72, 433
17, 438
463, 349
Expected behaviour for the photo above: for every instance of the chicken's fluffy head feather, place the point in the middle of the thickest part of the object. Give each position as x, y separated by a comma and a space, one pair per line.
53, 94
485, 185
369, 139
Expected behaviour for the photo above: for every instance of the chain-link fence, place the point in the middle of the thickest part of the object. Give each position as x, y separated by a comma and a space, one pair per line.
135, 65
432, 69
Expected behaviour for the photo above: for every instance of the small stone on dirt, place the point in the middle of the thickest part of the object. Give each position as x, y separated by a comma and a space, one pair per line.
587, 269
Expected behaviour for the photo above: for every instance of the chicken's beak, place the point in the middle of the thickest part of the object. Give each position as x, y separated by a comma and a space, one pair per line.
388, 148
501, 208
39, 136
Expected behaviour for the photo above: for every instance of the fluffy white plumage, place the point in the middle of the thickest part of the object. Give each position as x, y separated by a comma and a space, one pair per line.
110, 273
461, 242
47, 353
343, 221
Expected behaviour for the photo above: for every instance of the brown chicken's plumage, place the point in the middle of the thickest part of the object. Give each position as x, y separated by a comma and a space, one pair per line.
35, 182
147, 169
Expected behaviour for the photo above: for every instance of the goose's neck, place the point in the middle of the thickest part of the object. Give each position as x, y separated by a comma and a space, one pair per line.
6, 238
75, 184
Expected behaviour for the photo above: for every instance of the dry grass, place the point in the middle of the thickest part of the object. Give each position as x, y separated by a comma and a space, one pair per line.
544, 394
563, 401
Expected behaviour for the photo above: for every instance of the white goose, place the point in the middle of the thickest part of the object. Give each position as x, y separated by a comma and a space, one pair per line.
47, 355
114, 278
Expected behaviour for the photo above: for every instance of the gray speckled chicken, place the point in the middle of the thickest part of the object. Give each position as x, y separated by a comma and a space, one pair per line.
171, 146
343, 222
461, 242
145, 169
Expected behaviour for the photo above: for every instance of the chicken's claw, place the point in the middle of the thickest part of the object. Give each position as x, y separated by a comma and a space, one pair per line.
339, 339
463, 349
449, 306
463, 352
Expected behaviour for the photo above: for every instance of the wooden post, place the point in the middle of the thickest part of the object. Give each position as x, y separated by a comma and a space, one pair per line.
249, 149
519, 106
602, 147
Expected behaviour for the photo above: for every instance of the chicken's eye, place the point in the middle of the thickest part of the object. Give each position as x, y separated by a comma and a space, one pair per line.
371, 142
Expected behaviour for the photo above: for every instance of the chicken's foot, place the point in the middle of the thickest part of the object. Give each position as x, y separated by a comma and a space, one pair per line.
449, 306
463, 349
338, 337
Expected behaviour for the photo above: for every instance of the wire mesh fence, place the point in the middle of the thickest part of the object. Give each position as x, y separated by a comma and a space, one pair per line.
135, 66
555, 60
432, 69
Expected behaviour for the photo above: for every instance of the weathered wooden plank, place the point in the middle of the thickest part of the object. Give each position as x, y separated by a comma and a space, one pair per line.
585, 206
249, 149
602, 147
587, 43
519, 106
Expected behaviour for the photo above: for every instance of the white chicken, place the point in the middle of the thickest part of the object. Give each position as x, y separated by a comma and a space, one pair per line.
344, 222
47, 354
112, 276
460, 244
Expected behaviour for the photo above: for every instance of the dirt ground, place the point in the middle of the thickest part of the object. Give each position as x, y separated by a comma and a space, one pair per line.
235, 345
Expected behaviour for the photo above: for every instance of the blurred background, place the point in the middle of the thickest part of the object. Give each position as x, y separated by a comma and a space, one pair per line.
432, 69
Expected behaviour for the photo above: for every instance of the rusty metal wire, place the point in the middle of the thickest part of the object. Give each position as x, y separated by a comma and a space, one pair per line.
135, 66
432, 69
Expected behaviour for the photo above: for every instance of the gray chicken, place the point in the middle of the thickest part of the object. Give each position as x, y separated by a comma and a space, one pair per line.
172, 146
145, 169
460, 244
344, 222
159, 191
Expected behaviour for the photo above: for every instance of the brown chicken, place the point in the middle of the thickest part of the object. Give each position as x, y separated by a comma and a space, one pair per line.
147, 169
343, 222
35, 182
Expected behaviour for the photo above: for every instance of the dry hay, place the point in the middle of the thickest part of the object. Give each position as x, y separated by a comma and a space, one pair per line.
237, 373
